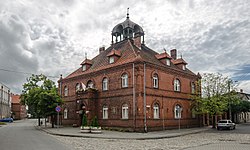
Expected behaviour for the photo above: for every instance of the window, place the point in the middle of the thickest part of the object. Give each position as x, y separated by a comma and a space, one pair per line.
90, 84
124, 80
184, 67
105, 84
125, 111
111, 59
84, 67
65, 113
177, 85
66, 91
78, 87
193, 113
105, 112
156, 111
192, 88
155, 81
177, 111
168, 62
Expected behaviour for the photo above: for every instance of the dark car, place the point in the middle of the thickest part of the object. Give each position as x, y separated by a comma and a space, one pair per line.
6, 120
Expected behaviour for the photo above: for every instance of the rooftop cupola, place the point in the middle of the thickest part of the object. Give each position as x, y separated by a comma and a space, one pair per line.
127, 29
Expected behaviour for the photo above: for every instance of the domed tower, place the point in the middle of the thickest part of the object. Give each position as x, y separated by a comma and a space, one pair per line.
127, 29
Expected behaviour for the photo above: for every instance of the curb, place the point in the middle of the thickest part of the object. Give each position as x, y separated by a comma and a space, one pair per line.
121, 138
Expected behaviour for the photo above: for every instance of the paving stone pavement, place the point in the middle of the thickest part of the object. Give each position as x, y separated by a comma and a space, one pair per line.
199, 141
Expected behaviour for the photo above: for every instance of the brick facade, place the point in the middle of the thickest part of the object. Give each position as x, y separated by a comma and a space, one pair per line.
151, 103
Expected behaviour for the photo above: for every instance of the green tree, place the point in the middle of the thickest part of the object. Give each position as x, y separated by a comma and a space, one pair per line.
242, 106
214, 97
40, 94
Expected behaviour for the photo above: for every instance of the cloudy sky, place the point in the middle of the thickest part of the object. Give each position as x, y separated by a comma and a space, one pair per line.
52, 37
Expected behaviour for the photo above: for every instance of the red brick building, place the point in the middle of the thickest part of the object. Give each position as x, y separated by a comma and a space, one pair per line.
18, 110
130, 86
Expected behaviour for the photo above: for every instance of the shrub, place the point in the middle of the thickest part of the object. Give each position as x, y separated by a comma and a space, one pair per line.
84, 120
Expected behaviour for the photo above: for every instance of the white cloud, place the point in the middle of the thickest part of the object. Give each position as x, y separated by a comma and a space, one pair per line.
52, 37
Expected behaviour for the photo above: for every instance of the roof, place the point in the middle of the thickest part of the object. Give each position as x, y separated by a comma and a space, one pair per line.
179, 61
86, 61
129, 53
163, 55
15, 99
114, 52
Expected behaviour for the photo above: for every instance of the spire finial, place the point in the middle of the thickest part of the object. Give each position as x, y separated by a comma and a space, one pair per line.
86, 55
127, 12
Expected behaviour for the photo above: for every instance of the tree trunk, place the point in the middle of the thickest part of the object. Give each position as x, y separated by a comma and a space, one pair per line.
214, 121
53, 121
39, 123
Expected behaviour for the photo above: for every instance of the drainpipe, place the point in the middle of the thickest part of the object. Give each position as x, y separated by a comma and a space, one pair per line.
144, 99
134, 115
1, 107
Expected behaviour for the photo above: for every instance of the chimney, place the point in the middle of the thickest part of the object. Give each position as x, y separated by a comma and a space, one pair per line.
173, 53
101, 49
241, 90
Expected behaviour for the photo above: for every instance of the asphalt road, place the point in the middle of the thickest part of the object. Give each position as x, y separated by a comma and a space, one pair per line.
240, 129
21, 135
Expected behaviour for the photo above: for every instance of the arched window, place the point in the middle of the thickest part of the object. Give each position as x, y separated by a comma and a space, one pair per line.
177, 111
156, 111
105, 112
65, 113
192, 88
90, 84
78, 87
124, 111
125, 80
66, 91
105, 84
155, 81
177, 85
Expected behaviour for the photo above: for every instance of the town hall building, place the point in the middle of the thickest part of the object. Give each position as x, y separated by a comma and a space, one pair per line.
130, 86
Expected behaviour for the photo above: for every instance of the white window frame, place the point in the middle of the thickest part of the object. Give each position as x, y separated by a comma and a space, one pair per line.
155, 81
192, 88
184, 67
90, 84
125, 80
177, 85
125, 111
111, 59
78, 87
105, 84
105, 112
66, 91
168, 62
177, 111
65, 113
156, 111
84, 67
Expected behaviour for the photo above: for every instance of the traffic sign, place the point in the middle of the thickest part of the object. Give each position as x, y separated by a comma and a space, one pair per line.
58, 108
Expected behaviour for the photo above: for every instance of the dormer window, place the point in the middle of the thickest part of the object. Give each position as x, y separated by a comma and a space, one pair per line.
168, 62
111, 59
83, 67
184, 67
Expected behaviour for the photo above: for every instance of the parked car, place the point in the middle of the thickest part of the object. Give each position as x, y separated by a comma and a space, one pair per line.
225, 124
6, 120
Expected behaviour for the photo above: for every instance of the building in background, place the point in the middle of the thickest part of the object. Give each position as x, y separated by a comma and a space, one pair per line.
19, 111
130, 86
5, 101
242, 116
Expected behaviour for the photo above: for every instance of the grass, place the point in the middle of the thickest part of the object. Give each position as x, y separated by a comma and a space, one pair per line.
2, 123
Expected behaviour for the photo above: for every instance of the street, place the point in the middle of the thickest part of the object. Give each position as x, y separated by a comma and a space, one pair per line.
21, 135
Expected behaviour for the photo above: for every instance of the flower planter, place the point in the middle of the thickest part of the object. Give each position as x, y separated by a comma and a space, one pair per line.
96, 130
85, 129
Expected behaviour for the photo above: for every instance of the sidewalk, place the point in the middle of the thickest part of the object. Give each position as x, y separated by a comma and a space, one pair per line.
75, 132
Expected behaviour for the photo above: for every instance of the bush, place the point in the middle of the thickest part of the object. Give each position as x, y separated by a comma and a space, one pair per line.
94, 122
2, 123
84, 120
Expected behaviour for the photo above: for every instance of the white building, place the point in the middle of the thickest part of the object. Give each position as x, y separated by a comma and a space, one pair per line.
5, 101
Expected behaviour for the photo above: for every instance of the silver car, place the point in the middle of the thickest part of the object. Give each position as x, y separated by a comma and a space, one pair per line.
225, 124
